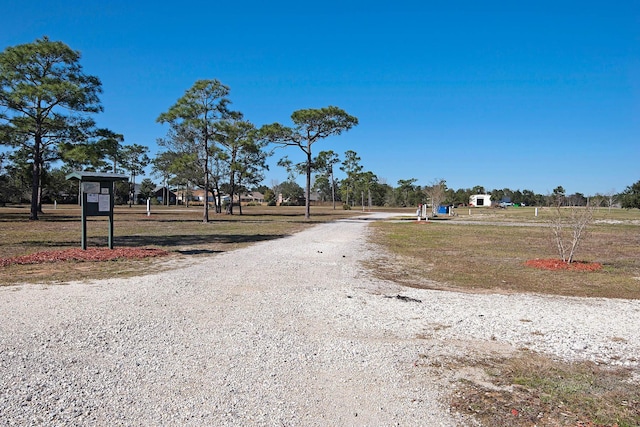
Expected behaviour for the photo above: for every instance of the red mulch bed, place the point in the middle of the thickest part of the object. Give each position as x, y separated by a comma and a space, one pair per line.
557, 264
91, 254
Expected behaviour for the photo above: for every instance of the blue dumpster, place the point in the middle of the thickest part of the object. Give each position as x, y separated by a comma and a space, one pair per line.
443, 209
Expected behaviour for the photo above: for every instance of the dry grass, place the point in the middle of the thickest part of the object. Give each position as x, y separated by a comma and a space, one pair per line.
176, 229
470, 257
527, 214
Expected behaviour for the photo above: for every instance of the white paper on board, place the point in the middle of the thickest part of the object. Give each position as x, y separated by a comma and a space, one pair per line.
104, 204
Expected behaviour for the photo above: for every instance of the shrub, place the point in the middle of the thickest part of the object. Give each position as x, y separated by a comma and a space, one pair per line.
569, 226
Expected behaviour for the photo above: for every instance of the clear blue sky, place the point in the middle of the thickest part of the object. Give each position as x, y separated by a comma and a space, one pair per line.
518, 94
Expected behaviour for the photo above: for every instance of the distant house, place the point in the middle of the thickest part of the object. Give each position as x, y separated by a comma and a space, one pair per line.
198, 196
300, 201
314, 198
252, 197
480, 200
160, 193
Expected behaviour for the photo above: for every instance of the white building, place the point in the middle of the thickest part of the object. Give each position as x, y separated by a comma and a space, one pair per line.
480, 200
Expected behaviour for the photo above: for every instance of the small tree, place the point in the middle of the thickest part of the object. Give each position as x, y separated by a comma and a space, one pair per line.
147, 188
367, 181
352, 167
610, 198
134, 159
250, 166
242, 153
14, 180
406, 188
57, 188
322, 186
324, 163
162, 167
291, 192
558, 197
269, 196
478, 189
180, 169
569, 226
436, 191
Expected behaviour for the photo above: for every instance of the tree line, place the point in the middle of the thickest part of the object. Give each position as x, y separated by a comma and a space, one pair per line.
47, 109
48, 102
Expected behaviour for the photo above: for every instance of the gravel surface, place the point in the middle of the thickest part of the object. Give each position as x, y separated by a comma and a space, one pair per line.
287, 332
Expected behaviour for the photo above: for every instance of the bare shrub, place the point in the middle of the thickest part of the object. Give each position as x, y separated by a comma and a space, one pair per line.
437, 192
569, 225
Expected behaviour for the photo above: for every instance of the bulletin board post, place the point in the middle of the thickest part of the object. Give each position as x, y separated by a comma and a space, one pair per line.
97, 198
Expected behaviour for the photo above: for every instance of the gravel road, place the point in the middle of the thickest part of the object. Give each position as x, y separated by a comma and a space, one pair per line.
291, 332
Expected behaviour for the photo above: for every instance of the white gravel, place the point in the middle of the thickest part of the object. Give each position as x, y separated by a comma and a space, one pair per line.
286, 332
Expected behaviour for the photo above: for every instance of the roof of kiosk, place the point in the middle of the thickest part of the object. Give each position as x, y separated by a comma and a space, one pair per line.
97, 176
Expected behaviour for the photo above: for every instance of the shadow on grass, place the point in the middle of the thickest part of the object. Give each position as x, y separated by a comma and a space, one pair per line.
182, 240
21, 217
284, 213
239, 220
166, 242
50, 244
199, 252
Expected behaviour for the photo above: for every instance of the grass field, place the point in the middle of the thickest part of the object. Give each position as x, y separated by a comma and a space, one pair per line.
487, 251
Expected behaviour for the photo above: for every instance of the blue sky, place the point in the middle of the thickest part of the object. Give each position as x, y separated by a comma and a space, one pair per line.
525, 95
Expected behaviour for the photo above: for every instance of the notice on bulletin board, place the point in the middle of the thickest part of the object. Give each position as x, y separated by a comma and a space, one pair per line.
104, 203
91, 187
92, 198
